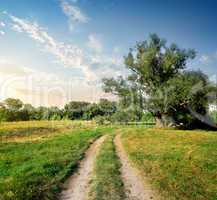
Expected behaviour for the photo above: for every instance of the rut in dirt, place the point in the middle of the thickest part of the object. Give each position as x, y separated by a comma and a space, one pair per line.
77, 186
136, 187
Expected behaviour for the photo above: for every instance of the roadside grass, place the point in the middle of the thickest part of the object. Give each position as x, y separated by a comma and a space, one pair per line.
180, 164
107, 183
35, 170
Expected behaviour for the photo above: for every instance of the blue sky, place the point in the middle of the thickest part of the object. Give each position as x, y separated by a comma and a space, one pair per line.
54, 51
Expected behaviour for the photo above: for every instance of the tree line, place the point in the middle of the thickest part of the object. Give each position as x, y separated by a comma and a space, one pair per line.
15, 110
103, 112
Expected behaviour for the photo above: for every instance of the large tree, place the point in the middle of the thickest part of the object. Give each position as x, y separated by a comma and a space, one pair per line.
159, 84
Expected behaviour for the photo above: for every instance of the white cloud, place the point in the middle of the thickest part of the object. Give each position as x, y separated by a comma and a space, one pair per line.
2, 33
2, 24
94, 43
74, 14
204, 58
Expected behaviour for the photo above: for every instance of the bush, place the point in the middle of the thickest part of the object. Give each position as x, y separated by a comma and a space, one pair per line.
103, 120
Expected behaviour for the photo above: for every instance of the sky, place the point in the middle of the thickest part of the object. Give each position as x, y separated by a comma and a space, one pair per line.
55, 51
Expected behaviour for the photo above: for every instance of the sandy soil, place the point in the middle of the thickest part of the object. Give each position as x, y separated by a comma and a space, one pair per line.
136, 186
77, 186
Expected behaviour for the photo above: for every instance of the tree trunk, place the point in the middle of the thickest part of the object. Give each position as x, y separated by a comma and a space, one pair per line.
159, 122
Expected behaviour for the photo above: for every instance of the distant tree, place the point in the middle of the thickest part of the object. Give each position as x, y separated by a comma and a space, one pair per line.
28, 112
107, 107
13, 104
13, 109
3, 112
103, 108
92, 111
54, 113
75, 109
41, 113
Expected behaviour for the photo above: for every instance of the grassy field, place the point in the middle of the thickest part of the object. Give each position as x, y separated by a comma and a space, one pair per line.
34, 168
107, 183
180, 164
37, 157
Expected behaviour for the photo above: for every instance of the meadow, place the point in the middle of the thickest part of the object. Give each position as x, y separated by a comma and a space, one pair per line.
179, 164
36, 157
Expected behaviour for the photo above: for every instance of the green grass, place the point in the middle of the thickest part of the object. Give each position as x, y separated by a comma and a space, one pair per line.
107, 183
35, 169
182, 165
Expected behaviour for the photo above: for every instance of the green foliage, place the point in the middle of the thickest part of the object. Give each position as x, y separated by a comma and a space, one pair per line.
102, 120
213, 115
15, 110
103, 108
147, 117
107, 183
125, 116
187, 99
75, 109
13, 104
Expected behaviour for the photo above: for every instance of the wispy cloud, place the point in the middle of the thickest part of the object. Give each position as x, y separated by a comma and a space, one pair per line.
69, 55
93, 64
28, 84
74, 13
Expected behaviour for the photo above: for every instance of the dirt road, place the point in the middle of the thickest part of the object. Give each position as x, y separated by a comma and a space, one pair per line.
135, 186
77, 186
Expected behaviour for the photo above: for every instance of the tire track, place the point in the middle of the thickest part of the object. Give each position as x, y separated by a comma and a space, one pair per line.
135, 186
77, 186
